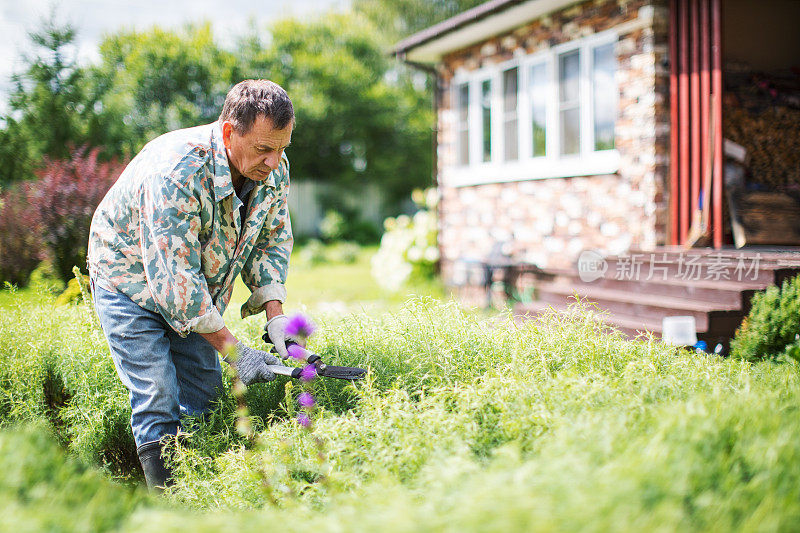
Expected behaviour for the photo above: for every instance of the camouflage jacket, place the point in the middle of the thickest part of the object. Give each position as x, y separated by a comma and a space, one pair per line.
169, 236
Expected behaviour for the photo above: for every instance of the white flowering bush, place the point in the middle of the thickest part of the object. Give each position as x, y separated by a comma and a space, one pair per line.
408, 247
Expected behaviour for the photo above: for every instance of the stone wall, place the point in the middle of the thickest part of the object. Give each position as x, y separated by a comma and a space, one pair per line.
550, 221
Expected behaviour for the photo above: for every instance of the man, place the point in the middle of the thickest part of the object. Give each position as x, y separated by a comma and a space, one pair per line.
193, 210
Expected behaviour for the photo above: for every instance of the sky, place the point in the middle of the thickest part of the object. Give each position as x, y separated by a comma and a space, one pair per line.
95, 18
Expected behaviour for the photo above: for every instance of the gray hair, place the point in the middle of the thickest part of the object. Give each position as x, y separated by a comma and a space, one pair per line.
250, 98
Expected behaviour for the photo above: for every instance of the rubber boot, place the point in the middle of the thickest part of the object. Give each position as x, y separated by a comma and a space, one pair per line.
157, 474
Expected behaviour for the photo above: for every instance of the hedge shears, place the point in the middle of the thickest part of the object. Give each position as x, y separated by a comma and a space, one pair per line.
349, 373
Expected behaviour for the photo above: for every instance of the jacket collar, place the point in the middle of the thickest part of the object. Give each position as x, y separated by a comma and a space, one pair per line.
223, 183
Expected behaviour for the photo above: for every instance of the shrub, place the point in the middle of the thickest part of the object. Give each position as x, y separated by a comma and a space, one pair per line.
346, 224
772, 325
409, 246
313, 253
44, 489
63, 201
45, 279
21, 247
344, 252
72, 294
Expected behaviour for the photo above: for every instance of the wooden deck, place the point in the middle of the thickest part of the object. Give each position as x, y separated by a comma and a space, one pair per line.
639, 289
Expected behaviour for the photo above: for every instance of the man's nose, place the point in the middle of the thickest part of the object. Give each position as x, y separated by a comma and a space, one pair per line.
272, 161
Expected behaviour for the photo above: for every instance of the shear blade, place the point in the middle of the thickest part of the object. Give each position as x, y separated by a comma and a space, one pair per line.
342, 372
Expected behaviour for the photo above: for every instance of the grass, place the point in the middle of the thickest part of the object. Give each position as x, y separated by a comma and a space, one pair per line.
337, 287
463, 425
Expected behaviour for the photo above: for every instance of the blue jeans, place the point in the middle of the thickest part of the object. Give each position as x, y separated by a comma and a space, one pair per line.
167, 375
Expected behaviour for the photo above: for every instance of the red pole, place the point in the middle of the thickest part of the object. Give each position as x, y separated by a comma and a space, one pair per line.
684, 118
674, 174
705, 93
716, 80
695, 112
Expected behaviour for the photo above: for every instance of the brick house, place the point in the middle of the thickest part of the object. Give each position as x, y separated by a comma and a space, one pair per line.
563, 126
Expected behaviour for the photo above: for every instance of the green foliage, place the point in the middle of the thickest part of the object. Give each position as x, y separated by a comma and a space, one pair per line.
52, 105
345, 224
42, 489
161, 80
401, 18
72, 294
21, 243
773, 323
344, 252
558, 424
409, 246
359, 118
314, 252
45, 279
353, 126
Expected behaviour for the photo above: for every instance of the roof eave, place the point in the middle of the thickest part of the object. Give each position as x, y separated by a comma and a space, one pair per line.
473, 26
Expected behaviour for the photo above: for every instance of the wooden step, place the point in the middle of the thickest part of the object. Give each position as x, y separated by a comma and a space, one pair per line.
724, 292
630, 326
708, 316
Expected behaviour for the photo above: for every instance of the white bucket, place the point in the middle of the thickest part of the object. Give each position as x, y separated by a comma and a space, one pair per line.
679, 330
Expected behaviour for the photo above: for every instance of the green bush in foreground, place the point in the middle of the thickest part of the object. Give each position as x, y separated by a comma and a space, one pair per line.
44, 490
772, 325
464, 425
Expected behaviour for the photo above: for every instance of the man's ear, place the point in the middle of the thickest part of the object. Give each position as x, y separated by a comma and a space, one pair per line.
227, 130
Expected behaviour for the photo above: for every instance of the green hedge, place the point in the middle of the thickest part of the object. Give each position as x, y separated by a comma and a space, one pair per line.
772, 325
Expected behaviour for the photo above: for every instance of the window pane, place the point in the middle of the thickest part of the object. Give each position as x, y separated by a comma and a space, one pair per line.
568, 77
510, 90
570, 131
510, 139
511, 142
605, 100
486, 118
463, 124
463, 103
538, 88
463, 147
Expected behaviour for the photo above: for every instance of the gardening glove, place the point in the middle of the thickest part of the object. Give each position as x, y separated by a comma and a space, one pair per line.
276, 331
251, 364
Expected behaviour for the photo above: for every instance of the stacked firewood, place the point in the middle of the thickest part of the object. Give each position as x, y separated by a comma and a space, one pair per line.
762, 114
772, 140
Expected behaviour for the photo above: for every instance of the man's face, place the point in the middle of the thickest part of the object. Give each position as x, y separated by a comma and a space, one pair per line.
258, 152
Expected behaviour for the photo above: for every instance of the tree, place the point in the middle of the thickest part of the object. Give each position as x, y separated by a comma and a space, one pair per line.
63, 200
401, 18
50, 112
159, 80
354, 124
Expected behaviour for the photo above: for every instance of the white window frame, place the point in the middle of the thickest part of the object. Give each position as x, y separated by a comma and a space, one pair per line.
552, 165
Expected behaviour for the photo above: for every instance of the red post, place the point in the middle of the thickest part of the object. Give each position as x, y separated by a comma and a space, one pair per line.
705, 92
695, 111
674, 174
716, 82
684, 118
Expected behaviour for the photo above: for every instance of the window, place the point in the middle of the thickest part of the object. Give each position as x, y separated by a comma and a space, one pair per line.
605, 101
549, 114
538, 104
569, 112
462, 127
486, 119
510, 121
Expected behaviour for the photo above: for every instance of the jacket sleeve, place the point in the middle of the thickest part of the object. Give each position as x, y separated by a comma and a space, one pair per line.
265, 271
170, 224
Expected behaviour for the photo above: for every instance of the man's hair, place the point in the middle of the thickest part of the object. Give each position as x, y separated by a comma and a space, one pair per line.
250, 98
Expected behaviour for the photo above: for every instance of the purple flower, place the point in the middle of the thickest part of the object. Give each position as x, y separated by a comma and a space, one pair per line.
305, 399
308, 373
303, 420
300, 326
297, 352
